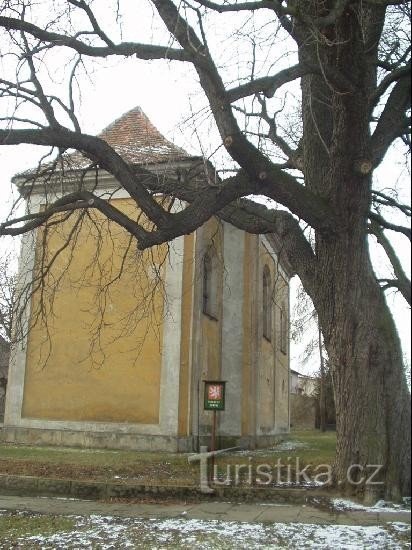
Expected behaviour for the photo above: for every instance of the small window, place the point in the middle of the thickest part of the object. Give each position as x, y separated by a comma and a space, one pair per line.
284, 330
210, 280
267, 304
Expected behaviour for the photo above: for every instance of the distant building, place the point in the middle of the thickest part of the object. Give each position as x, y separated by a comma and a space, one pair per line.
294, 382
302, 401
307, 385
302, 384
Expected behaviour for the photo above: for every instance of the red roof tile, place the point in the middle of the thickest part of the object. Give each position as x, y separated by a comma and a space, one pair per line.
135, 138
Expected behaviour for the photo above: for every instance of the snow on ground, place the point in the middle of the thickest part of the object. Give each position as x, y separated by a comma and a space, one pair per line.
110, 533
289, 445
284, 446
341, 505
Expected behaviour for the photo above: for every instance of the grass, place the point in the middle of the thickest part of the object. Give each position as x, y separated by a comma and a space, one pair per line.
95, 464
25, 530
320, 447
16, 525
311, 447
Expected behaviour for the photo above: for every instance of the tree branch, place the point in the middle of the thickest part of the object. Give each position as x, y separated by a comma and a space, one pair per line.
73, 201
96, 27
391, 123
270, 84
142, 51
97, 150
389, 79
385, 200
247, 6
270, 179
402, 282
256, 218
377, 218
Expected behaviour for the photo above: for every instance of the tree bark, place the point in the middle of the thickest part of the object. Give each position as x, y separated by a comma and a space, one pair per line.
322, 395
372, 398
371, 393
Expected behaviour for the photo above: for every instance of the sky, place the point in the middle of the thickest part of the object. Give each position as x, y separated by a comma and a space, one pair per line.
167, 92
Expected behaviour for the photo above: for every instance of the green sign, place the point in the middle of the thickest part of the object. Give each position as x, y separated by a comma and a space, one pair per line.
214, 395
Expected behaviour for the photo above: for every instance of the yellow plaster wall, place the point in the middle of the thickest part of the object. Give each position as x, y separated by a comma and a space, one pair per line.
264, 366
247, 322
82, 366
211, 329
249, 340
282, 359
187, 318
267, 374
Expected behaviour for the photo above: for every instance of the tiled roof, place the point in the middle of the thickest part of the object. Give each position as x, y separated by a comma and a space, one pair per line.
134, 138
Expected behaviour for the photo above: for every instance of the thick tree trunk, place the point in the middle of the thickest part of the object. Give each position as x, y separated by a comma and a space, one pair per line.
322, 393
372, 398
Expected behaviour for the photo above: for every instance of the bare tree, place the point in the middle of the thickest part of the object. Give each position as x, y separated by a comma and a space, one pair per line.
306, 330
352, 58
7, 294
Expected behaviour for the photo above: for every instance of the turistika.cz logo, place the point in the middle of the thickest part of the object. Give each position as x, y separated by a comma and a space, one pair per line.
281, 473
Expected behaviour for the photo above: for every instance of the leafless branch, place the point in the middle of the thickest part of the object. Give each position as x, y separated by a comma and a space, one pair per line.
401, 282
392, 121
387, 225
385, 200
143, 51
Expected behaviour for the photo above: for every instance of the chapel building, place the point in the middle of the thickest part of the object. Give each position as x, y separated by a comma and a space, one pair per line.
117, 343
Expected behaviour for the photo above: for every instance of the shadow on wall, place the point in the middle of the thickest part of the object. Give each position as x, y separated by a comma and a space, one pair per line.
4, 369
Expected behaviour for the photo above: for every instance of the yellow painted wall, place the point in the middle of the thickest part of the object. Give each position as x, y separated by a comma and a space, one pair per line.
282, 359
187, 318
267, 378
82, 366
211, 329
264, 366
247, 330
250, 339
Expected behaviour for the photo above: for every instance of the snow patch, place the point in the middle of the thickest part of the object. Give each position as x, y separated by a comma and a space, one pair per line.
105, 532
284, 446
381, 506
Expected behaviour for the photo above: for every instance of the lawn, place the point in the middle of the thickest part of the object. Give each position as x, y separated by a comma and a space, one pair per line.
26, 530
310, 448
17, 525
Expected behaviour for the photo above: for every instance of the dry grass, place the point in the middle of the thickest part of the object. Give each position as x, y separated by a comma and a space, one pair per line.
310, 447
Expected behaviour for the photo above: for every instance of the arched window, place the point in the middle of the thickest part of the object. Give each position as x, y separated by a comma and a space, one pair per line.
210, 281
267, 304
284, 330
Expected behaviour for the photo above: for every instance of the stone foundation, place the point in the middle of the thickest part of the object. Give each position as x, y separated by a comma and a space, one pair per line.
129, 441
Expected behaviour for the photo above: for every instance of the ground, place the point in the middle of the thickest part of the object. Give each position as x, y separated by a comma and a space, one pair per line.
31, 523
312, 447
167, 522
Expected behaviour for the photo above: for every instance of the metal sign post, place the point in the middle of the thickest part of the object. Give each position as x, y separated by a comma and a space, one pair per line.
214, 400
